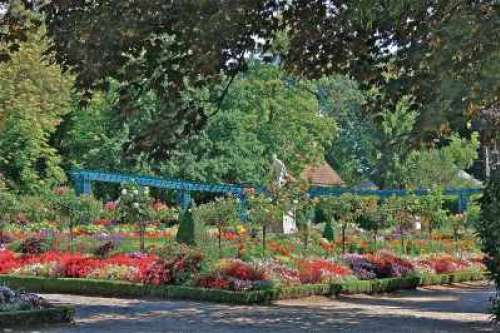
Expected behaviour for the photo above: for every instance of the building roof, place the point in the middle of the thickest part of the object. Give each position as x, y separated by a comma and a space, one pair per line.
322, 175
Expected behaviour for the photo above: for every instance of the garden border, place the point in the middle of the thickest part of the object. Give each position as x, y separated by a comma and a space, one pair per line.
106, 288
38, 318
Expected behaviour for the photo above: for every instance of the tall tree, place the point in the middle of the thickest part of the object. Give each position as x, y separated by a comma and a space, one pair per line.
445, 53
34, 95
163, 47
263, 114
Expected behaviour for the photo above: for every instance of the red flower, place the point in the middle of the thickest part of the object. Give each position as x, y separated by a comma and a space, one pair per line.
110, 205
319, 270
216, 282
241, 270
159, 206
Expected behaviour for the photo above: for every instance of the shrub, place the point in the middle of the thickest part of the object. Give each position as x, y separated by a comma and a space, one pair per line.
33, 245
186, 232
361, 267
387, 265
488, 227
214, 281
105, 249
320, 270
14, 301
243, 271
328, 232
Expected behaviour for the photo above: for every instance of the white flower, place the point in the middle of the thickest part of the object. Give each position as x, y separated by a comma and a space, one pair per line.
146, 190
135, 205
124, 191
136, 192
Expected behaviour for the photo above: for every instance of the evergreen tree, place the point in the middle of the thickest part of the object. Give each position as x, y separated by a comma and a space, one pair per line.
328, 232
34, 95
186, 232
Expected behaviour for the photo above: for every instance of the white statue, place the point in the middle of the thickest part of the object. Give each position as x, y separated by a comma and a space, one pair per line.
280, 172
280, 175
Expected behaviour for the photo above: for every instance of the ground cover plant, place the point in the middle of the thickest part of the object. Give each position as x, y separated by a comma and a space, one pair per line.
11, 301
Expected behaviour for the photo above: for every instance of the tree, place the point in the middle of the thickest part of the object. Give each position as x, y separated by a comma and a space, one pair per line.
427, 168
157, 47
34, 95
186, 231
393, 144
261, 115
221, 213
344, 210
444, 53
488, 228
134, 207
342, 99
328, 232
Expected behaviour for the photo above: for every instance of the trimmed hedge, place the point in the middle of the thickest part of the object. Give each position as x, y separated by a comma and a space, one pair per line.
37, 318
464, 276
264, 296
379, 286
126, 289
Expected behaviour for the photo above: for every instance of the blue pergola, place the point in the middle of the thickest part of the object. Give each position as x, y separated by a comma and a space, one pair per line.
463, 194
83, 179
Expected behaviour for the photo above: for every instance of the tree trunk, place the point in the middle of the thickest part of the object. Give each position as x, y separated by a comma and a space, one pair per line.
264, 240
344, 226
142, 232
219, 228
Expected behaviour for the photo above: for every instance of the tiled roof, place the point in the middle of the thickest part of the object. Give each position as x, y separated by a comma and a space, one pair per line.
322, 175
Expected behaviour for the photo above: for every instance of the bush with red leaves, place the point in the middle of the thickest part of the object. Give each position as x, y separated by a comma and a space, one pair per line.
156, 274
320, 270
80, 267
212, 281
243, 271
386, 265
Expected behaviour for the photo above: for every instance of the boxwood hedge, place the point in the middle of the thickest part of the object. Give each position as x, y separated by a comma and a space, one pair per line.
264, 296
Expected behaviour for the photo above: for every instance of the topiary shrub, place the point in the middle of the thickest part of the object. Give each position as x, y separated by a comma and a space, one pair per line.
328, 232
186, 232
488, 227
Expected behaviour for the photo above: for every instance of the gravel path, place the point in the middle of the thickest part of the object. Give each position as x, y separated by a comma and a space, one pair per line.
461, 308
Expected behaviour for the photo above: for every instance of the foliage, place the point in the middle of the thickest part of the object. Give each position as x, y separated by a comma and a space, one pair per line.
34, 245
222, 212
426, 168
328, 232
34, 95
8, 206
443, 53
393, 144
16, 301
344, 210
430, 209
134, 206
166, 50
186, 231
262, 114
488, 228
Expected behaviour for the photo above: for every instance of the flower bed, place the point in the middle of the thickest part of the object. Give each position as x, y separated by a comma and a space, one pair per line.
183, 266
